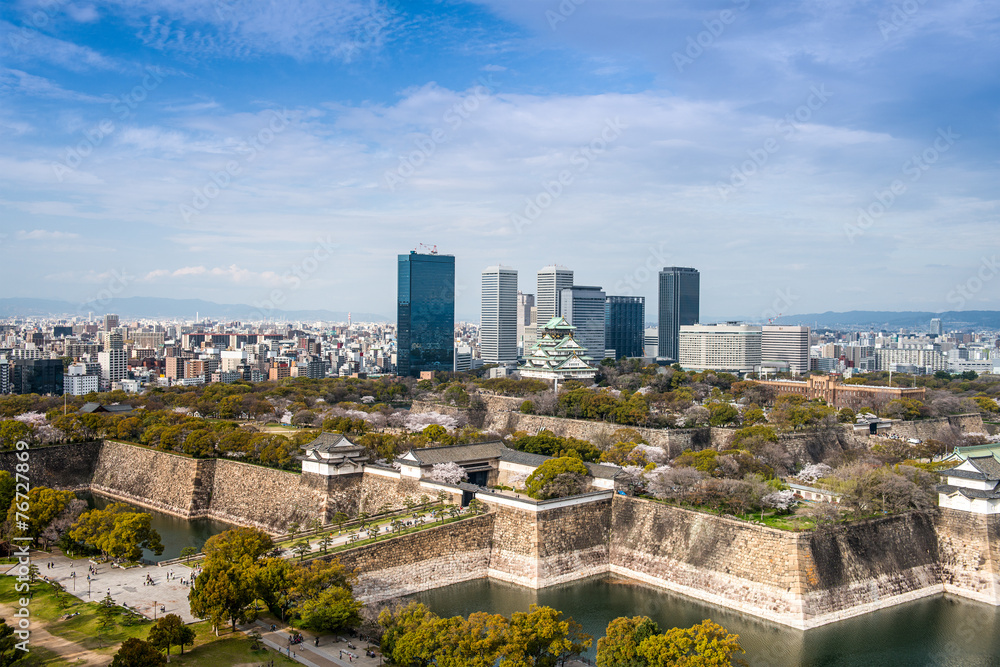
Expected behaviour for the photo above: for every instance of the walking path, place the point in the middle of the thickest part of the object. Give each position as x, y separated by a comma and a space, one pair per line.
67, 650
330, 653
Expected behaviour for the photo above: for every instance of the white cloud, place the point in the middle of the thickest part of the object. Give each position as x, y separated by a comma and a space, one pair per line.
44, 235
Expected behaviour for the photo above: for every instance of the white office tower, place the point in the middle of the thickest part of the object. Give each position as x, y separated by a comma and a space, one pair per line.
498, 330
730, 347
583, 307
552, 280
788, 344
526, 323
230, 360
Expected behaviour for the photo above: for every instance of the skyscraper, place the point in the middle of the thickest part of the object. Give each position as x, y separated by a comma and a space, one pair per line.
526, 323
425, 313
624, 325
110, 321
552, 280
786, 343
498, 327
936, 328
583, 308
680, 292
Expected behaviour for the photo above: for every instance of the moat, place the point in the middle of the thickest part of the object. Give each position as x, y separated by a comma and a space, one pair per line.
175, 532
941, 630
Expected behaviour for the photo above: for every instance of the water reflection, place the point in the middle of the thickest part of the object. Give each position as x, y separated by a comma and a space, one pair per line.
175, 532
935, 631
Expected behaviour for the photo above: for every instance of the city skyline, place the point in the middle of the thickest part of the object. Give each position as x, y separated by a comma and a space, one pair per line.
273, 153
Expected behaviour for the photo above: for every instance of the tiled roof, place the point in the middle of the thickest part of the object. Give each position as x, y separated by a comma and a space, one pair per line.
329, 442
988, 465
948, 490
456, 453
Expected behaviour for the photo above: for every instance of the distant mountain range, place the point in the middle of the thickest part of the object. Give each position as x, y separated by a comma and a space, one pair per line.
892, 320
153, 307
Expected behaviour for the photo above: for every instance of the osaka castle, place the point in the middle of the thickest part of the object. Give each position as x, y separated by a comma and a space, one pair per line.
556, 355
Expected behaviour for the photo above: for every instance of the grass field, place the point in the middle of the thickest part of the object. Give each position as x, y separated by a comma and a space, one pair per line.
208, 650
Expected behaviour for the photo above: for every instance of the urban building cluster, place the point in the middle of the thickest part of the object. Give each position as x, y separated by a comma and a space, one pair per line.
561, 331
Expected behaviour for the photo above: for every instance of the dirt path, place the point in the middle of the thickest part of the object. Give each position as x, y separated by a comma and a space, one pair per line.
69, 651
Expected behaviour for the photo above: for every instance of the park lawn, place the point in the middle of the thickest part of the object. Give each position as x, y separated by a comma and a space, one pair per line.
80, 629
227, 649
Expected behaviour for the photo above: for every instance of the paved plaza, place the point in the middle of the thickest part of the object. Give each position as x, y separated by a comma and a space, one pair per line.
125, 586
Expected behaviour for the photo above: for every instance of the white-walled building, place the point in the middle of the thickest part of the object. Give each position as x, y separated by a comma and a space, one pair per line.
498, 326
786, 343
332, 454
552, 280
729, 347
972, 486
77, 382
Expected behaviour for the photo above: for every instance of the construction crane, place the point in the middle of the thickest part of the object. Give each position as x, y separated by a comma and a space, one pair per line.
432, 249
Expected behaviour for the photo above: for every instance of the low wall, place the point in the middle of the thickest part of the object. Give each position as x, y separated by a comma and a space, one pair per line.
674, 441
936, 428
420, 561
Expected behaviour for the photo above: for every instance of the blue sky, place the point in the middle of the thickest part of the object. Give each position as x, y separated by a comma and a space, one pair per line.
805, 156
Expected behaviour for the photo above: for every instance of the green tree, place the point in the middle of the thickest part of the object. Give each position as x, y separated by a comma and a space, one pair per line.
704, 645
542, 637
333, 610
340, 519
118, 531
846, 416
188, 552
721, 414
528, 407
302, 549
8, 645
620, 645
224, 592
12, 431
435, 432
325, 542
170, 631
551, 469
987, 404
138, 653
41, 507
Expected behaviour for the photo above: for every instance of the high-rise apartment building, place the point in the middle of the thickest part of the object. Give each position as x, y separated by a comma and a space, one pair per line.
936, 328
729, 347
425, 313
526, 321
583, 307
624, 325
552, 280
680, 294
77, 382
786, 343
110, 322
499, 325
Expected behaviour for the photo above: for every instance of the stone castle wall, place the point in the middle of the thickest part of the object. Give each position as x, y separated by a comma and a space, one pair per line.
925, 429
798, 579
420, 561
59, 467
150, 478
262, 497
969, 554
574, 542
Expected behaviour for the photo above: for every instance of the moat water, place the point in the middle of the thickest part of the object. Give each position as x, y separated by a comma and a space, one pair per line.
175, 532
944, 631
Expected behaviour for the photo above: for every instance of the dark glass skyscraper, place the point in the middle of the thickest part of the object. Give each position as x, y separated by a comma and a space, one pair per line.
624, 325
425, 313
680, 293
37, 376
